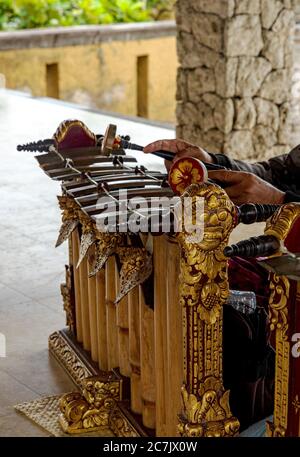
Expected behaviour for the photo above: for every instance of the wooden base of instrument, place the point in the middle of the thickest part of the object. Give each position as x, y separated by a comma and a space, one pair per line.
78, 364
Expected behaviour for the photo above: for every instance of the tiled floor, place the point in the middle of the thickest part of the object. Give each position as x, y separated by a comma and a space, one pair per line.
30, 268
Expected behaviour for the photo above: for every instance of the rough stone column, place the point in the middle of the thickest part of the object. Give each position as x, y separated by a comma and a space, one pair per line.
235, 75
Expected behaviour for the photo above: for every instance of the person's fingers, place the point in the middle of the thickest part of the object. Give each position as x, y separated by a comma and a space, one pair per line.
161, 145
227, 176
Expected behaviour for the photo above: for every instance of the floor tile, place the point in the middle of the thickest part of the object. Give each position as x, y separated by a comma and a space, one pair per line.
9, 296
12, 392
16, 425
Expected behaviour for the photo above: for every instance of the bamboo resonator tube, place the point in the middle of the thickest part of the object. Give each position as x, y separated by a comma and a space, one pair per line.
142, 340
123, 331
111, 314
92, 308
74, 241
101, 320
135, 350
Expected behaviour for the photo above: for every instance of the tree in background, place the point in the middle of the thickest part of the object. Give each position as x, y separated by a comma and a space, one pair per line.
160, 9
23, 14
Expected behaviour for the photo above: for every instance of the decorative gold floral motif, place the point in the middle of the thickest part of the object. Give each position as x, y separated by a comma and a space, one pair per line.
296, 404
68, 358
65, 231
274, 432
98, 389
77, 416
280, 225
106, 245
282, 221
136, 268
208, 413
184, 174
203, 290
90, 410
86, 241
120, 426
68, 300
70, 218
278, 312
204, 267
88, 236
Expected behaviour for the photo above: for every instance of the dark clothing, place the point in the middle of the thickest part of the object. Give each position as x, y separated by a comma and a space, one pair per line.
249, 359
282, 171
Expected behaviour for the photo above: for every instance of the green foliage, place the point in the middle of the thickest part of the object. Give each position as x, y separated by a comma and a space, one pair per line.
23, 14
6, 13
160, 9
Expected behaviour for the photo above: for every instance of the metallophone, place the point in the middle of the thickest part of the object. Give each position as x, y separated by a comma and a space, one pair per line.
144, 310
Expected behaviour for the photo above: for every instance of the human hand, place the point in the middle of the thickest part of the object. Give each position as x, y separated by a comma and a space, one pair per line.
180, 148
243, 187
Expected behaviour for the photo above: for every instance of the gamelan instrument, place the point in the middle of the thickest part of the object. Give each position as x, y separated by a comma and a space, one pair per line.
144, 297
109, 143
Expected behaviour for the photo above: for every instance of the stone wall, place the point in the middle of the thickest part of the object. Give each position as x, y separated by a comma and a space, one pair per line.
234, 79
296, 6
97, 66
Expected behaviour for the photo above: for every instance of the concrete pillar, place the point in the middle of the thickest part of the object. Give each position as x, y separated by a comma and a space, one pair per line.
235, 75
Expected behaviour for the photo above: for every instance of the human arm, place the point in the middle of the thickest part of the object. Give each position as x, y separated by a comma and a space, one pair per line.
282, 171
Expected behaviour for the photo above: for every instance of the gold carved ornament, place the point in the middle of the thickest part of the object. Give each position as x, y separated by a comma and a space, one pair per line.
70, 218
204, 267
97, 405
69, 359
296, 404
88, 236
68, 300
203, 291
90, 410
106, 244
210, 416
278, 311
69, 207
120, 425
278, 316
136, 268
279, 225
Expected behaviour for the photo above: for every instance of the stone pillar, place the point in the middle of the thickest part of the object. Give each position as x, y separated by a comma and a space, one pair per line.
235, 75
